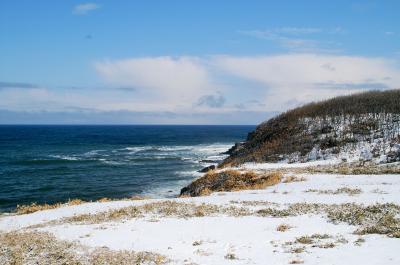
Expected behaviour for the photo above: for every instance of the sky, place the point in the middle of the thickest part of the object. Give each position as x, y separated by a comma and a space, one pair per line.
189, 62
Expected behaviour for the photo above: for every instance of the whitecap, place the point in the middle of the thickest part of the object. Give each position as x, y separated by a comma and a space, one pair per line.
93, 152
135, 149
65, 157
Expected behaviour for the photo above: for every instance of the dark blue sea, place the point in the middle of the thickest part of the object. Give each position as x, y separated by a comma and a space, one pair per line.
48, 164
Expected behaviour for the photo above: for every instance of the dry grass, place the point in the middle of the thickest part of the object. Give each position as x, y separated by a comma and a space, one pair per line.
230, 256
298, 250
290, 179
326, 245
359, 241
343, 169
20, 248
344, 190
355, 169
197, 243
293, 210
304, 240
283, 227
296, 261
255, 203
230, 180
159, 210
104, 256
34, 207
302, 243
373, 219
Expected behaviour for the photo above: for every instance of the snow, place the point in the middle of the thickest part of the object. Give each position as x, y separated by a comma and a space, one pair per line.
252, 239
366, 137
261, 166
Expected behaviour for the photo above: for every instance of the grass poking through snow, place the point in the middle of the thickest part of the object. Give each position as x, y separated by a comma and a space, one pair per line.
20, 248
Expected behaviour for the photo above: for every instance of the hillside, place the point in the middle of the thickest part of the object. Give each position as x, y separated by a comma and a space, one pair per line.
360, 127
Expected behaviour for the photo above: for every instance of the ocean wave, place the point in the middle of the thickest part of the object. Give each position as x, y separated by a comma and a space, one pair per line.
65, 157
93, 152
191, 153
109, 162
154, 157
157, 148
41, 161
136, 149
192, 173
199, 148
213, 148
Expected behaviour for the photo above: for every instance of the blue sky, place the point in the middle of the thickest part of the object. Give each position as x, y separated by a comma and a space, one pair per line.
189, 62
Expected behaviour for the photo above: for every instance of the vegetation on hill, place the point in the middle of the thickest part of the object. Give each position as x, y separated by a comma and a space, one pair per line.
324, 128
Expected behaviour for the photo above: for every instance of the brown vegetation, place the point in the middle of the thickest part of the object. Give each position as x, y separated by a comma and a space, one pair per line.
296, 261
34, 207
230, 180
283, 227
355, 169
289, 179
157, 209
373, 219
20, 248
344, 190
287, 134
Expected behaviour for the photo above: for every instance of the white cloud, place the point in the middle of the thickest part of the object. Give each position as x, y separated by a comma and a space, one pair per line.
214, 85
297, 30
83, 9
307, 77
177, 81
277, 81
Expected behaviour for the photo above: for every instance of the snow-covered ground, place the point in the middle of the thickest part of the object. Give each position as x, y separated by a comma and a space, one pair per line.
264, 166
248, 239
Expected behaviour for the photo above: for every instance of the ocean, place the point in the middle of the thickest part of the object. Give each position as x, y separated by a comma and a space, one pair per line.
48, 164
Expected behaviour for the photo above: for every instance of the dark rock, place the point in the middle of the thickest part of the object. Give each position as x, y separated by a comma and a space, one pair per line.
233, 149
209, 161
206, 169
393, 156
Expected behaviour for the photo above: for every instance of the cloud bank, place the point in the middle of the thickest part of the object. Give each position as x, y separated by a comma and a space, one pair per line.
220, 86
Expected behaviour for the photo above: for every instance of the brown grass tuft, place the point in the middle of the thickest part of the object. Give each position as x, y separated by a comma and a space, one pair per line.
290, 179
34, 207
283, 227
296, 261
230, 256
304, 240
230, 180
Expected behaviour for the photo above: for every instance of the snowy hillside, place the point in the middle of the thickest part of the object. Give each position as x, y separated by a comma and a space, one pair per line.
350, 138
357, 128
310, 219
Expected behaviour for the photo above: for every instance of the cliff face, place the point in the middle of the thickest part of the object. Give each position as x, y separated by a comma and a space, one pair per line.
361, 127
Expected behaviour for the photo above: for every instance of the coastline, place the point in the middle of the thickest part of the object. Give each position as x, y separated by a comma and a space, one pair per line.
297, 220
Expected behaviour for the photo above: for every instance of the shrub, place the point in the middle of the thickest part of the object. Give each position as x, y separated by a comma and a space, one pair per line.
230, 180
